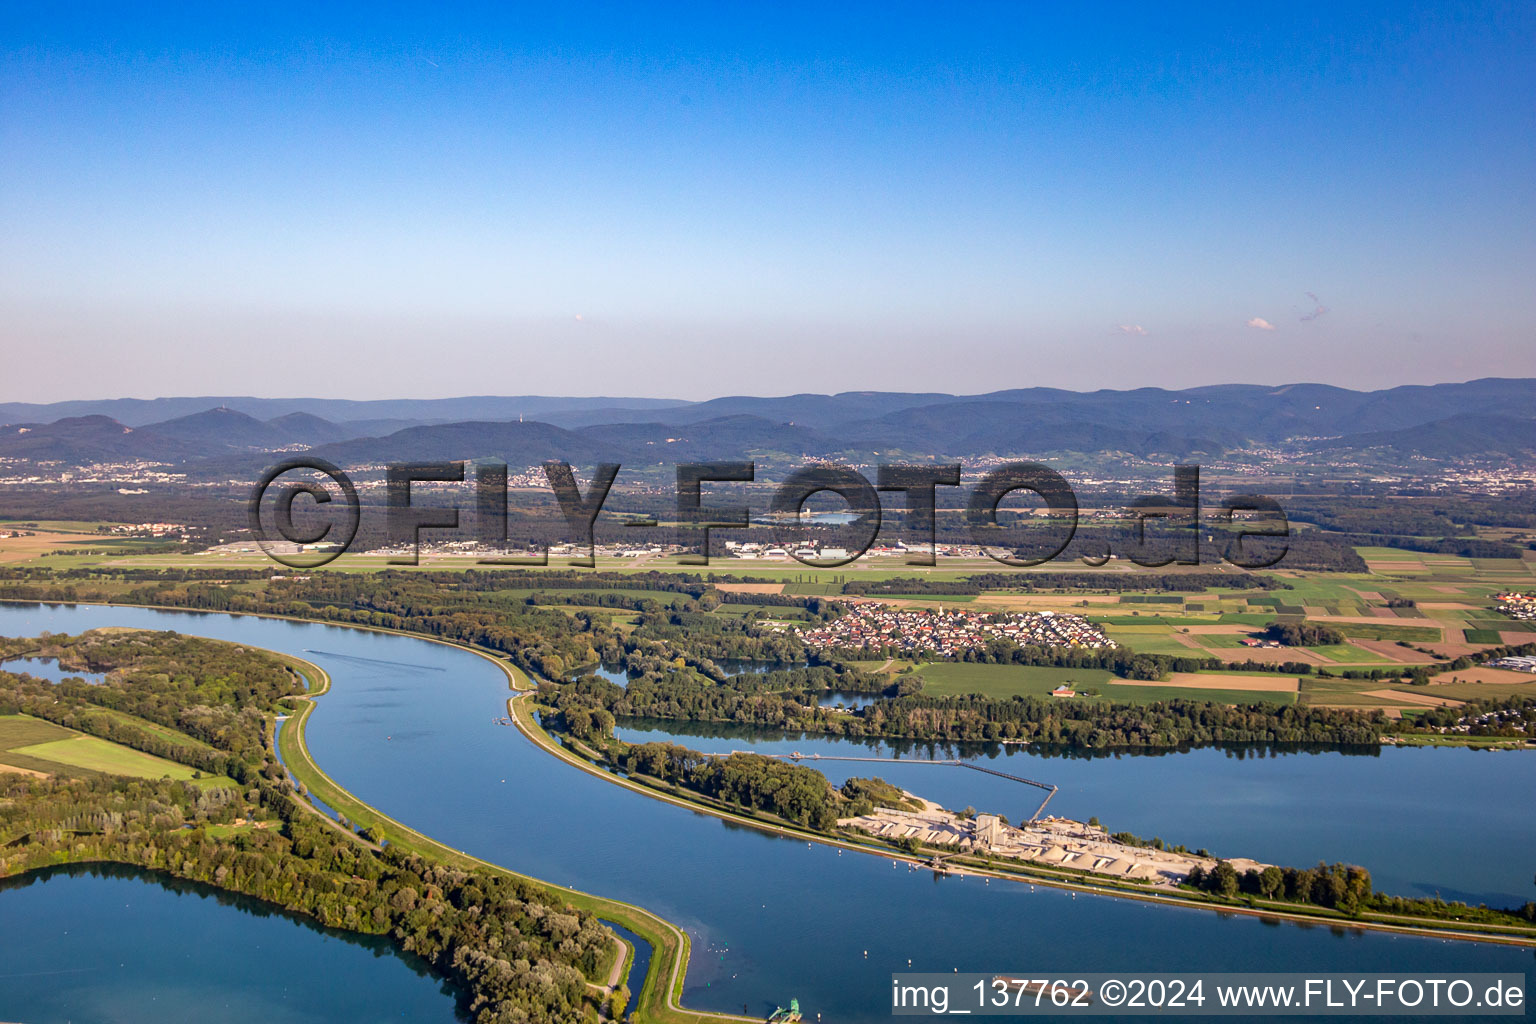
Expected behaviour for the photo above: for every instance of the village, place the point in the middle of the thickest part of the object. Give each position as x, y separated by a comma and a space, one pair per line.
1517, 605
871, 625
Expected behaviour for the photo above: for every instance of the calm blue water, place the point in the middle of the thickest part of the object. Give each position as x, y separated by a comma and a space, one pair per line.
122, 947
1282, 808
730, 666
315, 802
748, 667
845, 699
47, 668
639, 964
781, 919
613, 673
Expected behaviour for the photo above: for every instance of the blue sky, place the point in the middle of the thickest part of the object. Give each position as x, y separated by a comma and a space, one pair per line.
686, 201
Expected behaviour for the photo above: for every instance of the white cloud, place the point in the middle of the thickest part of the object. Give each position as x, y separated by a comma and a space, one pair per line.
1136, 329
1258, 323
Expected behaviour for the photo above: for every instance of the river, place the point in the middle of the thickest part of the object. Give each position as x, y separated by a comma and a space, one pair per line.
409, 727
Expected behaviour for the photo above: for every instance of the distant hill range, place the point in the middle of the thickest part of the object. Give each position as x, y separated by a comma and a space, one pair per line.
1491, 417
404, 412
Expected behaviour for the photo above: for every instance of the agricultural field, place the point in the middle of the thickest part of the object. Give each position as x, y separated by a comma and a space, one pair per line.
17, 731
1349, 654
946, 678
1004, 681
1187, 689
42, 748
1452, 615
40, 543
1463, 688
1148, 639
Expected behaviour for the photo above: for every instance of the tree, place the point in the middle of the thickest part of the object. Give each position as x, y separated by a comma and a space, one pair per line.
1223, 880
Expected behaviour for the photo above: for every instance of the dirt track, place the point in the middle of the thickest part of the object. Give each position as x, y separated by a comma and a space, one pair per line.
1413, 698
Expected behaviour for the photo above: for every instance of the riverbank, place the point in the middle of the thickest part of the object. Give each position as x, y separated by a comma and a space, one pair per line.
1126, 920
252, 839
659, 998
660, 994
523, 716
1491, 743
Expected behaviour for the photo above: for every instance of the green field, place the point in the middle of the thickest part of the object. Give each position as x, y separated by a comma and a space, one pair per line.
1003, 681
1482, 691
1156, 640
1245, 619
1388, 631
98, 755
1147, 694
21, 731
1347, 693
951, 677
809, 589
1349, 654
42, 746
1217, 641
1505, 625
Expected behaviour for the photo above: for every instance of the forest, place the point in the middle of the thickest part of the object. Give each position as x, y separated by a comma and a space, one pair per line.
1304, 634
792, 792
1084, 725
672, 649
513, 952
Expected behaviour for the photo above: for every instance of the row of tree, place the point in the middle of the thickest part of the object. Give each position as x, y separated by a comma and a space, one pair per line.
515, 952
1343, 887
800, 794
1084, 725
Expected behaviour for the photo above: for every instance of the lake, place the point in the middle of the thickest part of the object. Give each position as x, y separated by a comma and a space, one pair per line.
407, 727
1284, 807
615, 673
120, 945
47, 668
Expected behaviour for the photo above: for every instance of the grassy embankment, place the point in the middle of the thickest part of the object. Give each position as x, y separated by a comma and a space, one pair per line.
659, 998
523, 715
670, 943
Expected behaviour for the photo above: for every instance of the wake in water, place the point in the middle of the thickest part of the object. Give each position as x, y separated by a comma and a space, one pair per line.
376, 661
